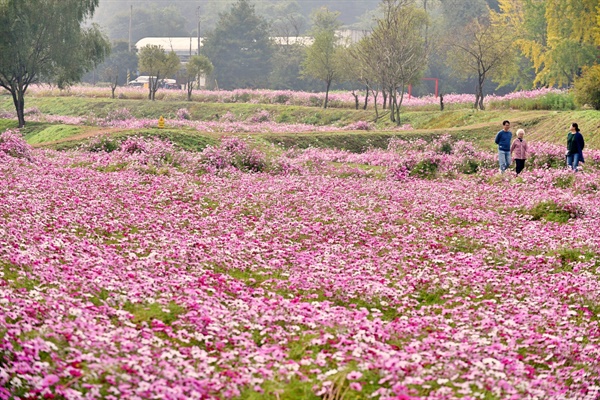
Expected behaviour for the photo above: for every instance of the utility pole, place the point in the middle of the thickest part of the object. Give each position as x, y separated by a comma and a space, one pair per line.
130, 18
198, 29
129, 45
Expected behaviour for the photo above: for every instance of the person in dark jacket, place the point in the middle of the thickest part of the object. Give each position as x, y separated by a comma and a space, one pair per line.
503, 139
575, 145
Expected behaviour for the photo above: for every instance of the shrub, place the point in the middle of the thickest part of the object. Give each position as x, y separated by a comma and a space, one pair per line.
564, 181
228, 117
121, 114
587, 87
284, 118
425, 169
183, 114
360, 126
315, 101
281, 99
469, 166
133, 145
260, 116
234, 152
241, 97
444, 145
13, 144
103, 143
549, 210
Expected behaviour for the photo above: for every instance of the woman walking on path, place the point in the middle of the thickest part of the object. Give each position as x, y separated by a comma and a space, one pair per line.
575, 145
518, 151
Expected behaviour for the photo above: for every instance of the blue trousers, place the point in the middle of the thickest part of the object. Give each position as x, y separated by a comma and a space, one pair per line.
573, 161
503, 159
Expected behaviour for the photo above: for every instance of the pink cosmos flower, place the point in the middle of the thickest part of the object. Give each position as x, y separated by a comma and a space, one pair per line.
49, 380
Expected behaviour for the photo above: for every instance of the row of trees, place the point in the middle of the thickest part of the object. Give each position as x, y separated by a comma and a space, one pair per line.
520, 43
286, 19
465, 43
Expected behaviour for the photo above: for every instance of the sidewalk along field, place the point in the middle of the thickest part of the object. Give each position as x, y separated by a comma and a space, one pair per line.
136, 270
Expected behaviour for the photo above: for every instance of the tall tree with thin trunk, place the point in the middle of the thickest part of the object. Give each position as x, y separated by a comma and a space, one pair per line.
46, 40
480, 50
196, 67
114, 69
158, 64
322, 59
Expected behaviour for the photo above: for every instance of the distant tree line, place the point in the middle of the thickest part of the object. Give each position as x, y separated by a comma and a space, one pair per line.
470, 45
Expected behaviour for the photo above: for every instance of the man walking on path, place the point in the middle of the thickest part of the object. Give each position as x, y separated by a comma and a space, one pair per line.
503, 139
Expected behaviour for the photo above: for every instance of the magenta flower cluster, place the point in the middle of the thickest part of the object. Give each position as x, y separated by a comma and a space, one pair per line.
233, 152
131, 274
287, 97
360, 126
12, 144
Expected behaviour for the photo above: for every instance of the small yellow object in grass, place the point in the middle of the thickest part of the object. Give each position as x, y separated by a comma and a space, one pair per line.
161, 122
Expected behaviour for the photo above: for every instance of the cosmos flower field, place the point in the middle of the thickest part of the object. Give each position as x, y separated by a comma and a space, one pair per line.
241, 272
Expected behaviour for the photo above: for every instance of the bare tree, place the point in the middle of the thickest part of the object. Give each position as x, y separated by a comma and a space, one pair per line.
197, 66
395, 53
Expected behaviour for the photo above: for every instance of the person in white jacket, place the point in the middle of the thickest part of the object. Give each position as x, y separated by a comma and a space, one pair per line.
518, 151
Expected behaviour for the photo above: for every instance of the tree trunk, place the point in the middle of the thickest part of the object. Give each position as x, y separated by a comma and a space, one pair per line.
113, 85
19, 102
392, 104
479, 97
384, 95
327, 94
356, 102
189, 87
398, 104
375, 94
366, 99
154, 88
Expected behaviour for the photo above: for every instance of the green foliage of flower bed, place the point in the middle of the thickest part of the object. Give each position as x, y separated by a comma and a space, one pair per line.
425, 169
551, 211
550, 101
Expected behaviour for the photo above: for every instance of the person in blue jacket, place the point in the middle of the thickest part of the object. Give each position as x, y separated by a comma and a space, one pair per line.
503, 139
575, 145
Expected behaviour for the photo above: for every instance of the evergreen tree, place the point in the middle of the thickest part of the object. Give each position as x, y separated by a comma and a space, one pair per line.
240, 48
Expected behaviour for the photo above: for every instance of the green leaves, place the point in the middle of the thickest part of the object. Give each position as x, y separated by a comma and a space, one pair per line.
240, 48
45, 40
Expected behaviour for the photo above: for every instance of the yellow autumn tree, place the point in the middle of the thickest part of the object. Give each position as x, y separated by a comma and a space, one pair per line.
559, 37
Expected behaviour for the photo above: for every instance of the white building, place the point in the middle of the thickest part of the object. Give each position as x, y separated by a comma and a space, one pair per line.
185, 47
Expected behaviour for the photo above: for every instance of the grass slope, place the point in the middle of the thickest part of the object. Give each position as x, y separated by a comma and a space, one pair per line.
479, 127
